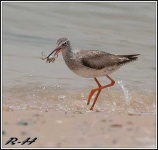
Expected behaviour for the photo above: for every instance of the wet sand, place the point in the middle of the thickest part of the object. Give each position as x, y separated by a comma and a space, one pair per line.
77, 129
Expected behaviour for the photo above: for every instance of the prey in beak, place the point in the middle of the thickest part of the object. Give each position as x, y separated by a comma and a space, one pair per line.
51, 57
62, 44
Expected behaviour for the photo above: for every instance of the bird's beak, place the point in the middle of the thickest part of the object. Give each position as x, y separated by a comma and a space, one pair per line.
57, 50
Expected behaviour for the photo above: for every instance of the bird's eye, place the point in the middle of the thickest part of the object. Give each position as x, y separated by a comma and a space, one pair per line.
64, 44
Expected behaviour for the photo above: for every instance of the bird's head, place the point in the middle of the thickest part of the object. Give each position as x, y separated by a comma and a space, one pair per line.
62, 44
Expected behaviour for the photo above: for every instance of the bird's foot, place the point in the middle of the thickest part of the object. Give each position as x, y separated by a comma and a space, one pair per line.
91, 108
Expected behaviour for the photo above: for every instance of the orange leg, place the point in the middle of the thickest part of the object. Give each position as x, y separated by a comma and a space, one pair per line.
99, 90
91, 93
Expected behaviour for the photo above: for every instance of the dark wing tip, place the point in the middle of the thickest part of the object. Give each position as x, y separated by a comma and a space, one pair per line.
129, 56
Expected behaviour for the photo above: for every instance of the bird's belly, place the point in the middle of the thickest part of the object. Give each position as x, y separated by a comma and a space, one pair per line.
92, 73
89, 73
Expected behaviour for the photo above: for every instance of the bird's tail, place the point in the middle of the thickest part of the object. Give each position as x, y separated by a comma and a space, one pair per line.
131, 57
128, 58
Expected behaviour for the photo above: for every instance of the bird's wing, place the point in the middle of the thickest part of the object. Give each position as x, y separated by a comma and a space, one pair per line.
98, 59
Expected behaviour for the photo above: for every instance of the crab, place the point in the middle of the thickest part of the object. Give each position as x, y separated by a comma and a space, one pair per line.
48, 59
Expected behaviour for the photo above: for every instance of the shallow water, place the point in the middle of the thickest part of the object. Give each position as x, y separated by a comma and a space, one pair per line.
118, 28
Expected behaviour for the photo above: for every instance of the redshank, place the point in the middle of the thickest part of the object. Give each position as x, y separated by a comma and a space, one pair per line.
91, 64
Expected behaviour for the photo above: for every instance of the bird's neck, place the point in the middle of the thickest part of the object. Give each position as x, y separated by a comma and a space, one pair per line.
70, 58
67, 53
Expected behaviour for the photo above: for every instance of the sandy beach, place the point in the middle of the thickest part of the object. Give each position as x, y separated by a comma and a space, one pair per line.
76, 129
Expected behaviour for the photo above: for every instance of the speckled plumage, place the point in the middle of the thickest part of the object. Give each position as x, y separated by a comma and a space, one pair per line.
92, 63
